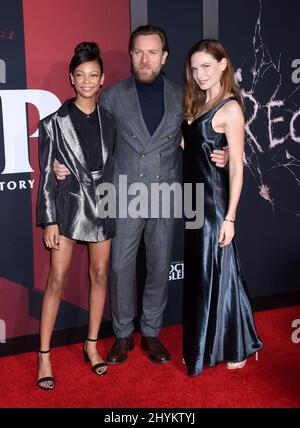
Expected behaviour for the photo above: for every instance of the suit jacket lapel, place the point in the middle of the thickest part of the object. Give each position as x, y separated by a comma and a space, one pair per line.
131, 105
68, 131
71, 139
169, 102
104, 133
166, 110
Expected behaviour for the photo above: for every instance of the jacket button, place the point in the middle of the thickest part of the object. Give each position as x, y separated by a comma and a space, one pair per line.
142, 155
170, 136
158, 177
141, 175
133, 136
159, 155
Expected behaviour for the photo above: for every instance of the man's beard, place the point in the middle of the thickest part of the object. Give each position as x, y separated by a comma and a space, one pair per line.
145, 78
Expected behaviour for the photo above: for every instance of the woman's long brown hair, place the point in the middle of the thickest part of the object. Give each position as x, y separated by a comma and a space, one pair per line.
193, 97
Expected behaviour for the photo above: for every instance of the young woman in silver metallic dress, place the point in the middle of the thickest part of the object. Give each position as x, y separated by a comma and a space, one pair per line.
80, 135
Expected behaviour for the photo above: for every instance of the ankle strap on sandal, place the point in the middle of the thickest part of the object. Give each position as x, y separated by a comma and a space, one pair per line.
91, 340
44, 352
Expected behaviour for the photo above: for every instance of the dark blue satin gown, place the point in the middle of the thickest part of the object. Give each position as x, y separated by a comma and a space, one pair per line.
217, 317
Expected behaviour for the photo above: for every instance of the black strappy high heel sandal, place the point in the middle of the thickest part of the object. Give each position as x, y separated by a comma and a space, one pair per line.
96, 366
46, 378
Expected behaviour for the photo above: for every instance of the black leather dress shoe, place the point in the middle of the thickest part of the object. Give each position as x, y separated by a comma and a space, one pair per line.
156, 350
118, 353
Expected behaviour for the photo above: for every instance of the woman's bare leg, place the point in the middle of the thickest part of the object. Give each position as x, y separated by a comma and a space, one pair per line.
60, 263
99, 271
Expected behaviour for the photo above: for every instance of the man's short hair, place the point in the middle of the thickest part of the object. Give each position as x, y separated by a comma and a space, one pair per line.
147, 30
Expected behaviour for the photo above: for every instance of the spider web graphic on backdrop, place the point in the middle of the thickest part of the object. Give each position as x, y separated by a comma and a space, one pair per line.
271, 117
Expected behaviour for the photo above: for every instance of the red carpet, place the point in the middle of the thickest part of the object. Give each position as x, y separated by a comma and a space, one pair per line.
273, 381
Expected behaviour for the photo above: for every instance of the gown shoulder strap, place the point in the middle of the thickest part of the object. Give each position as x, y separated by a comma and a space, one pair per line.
218, 106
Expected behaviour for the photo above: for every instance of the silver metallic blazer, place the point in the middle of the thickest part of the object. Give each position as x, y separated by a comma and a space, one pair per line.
72, 203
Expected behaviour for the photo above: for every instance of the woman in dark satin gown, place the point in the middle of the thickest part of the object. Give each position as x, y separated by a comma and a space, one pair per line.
218, 322
80, 134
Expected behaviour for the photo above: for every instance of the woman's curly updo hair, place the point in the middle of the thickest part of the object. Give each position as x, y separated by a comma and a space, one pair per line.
84, 52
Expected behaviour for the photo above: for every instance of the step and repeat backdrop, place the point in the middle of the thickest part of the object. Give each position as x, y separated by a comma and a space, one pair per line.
262, 37
37, 39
